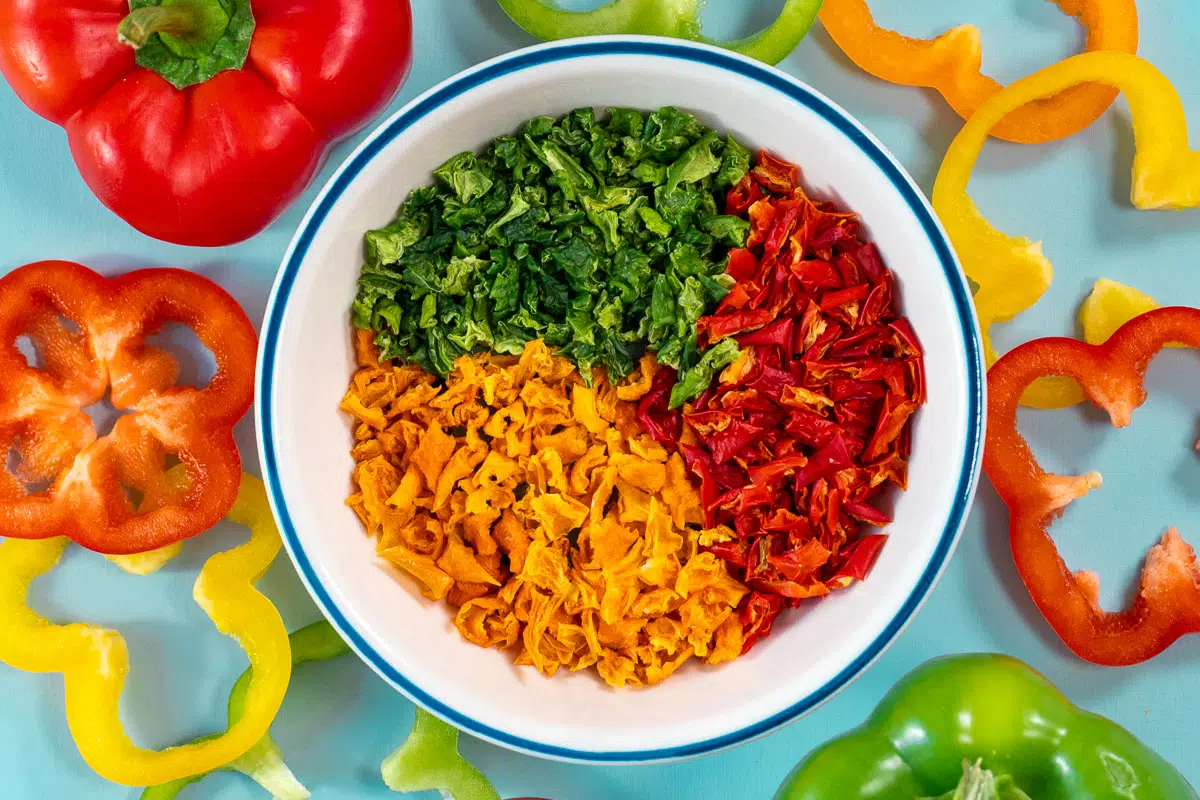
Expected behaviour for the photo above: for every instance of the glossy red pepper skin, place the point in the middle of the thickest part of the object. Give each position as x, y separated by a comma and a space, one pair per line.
71, 482
217, 162
1167, 605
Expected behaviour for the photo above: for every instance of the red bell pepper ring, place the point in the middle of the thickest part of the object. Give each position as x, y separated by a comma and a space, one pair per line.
1112, 375
188, 156
104, 348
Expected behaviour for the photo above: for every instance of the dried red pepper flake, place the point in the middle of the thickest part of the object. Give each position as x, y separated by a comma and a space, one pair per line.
743, 265
663, 423
858, 561
757, 613
794, 443
816, 275
779, 333
892, 420
830, 333
841, 297
790, 589
735, 552
867, 513
761, 215
734, 301
725, 444
742, 196
714, 328
777, 176
777, 469
801, 562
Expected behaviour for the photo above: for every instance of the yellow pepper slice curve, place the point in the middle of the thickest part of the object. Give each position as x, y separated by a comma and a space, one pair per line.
1109, 306
149, 562
1011, 271
94, 661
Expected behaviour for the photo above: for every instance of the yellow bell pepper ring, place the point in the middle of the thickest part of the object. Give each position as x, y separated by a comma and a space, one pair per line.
1010, 271
94, 661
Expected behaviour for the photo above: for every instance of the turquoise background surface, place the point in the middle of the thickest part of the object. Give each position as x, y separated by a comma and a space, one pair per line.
340, 720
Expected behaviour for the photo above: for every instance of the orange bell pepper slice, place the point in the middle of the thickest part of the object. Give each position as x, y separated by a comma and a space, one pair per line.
951, 64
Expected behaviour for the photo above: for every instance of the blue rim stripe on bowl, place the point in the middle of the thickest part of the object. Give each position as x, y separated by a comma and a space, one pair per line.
540, 55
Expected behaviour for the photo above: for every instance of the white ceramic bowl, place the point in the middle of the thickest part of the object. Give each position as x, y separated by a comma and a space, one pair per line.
306, 361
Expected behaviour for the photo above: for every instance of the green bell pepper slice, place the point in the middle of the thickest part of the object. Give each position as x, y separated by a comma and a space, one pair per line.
429, 759
988, 707
679, 19
264, 762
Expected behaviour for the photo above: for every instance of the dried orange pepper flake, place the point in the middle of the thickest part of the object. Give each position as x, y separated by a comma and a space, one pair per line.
537, 505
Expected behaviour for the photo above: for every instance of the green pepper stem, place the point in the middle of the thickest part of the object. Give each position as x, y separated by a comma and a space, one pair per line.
137, 28
188, 28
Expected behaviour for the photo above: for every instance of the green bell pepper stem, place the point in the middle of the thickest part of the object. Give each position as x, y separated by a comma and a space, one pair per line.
992, 708
980, 784
429, 759
189, 28
679, 19
264, 762
188, 41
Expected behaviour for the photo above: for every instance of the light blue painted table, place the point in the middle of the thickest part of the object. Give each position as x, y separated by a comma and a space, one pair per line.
340, 720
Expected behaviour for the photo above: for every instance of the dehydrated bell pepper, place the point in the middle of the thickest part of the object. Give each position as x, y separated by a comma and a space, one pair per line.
429, 759
110, 494
679, 19
951, 64
264, 762
809, 423
1011, 271
218, 120
94, 661
1167, 605
995, 709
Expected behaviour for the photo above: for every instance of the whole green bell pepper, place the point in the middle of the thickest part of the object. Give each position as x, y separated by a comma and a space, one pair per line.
989, 707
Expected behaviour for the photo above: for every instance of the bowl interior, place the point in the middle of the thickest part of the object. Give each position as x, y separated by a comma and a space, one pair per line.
307, 361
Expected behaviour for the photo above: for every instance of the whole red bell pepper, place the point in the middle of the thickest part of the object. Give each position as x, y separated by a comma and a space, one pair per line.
199, 121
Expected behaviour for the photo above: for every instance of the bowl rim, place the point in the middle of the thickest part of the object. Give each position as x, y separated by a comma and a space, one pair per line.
540, 56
